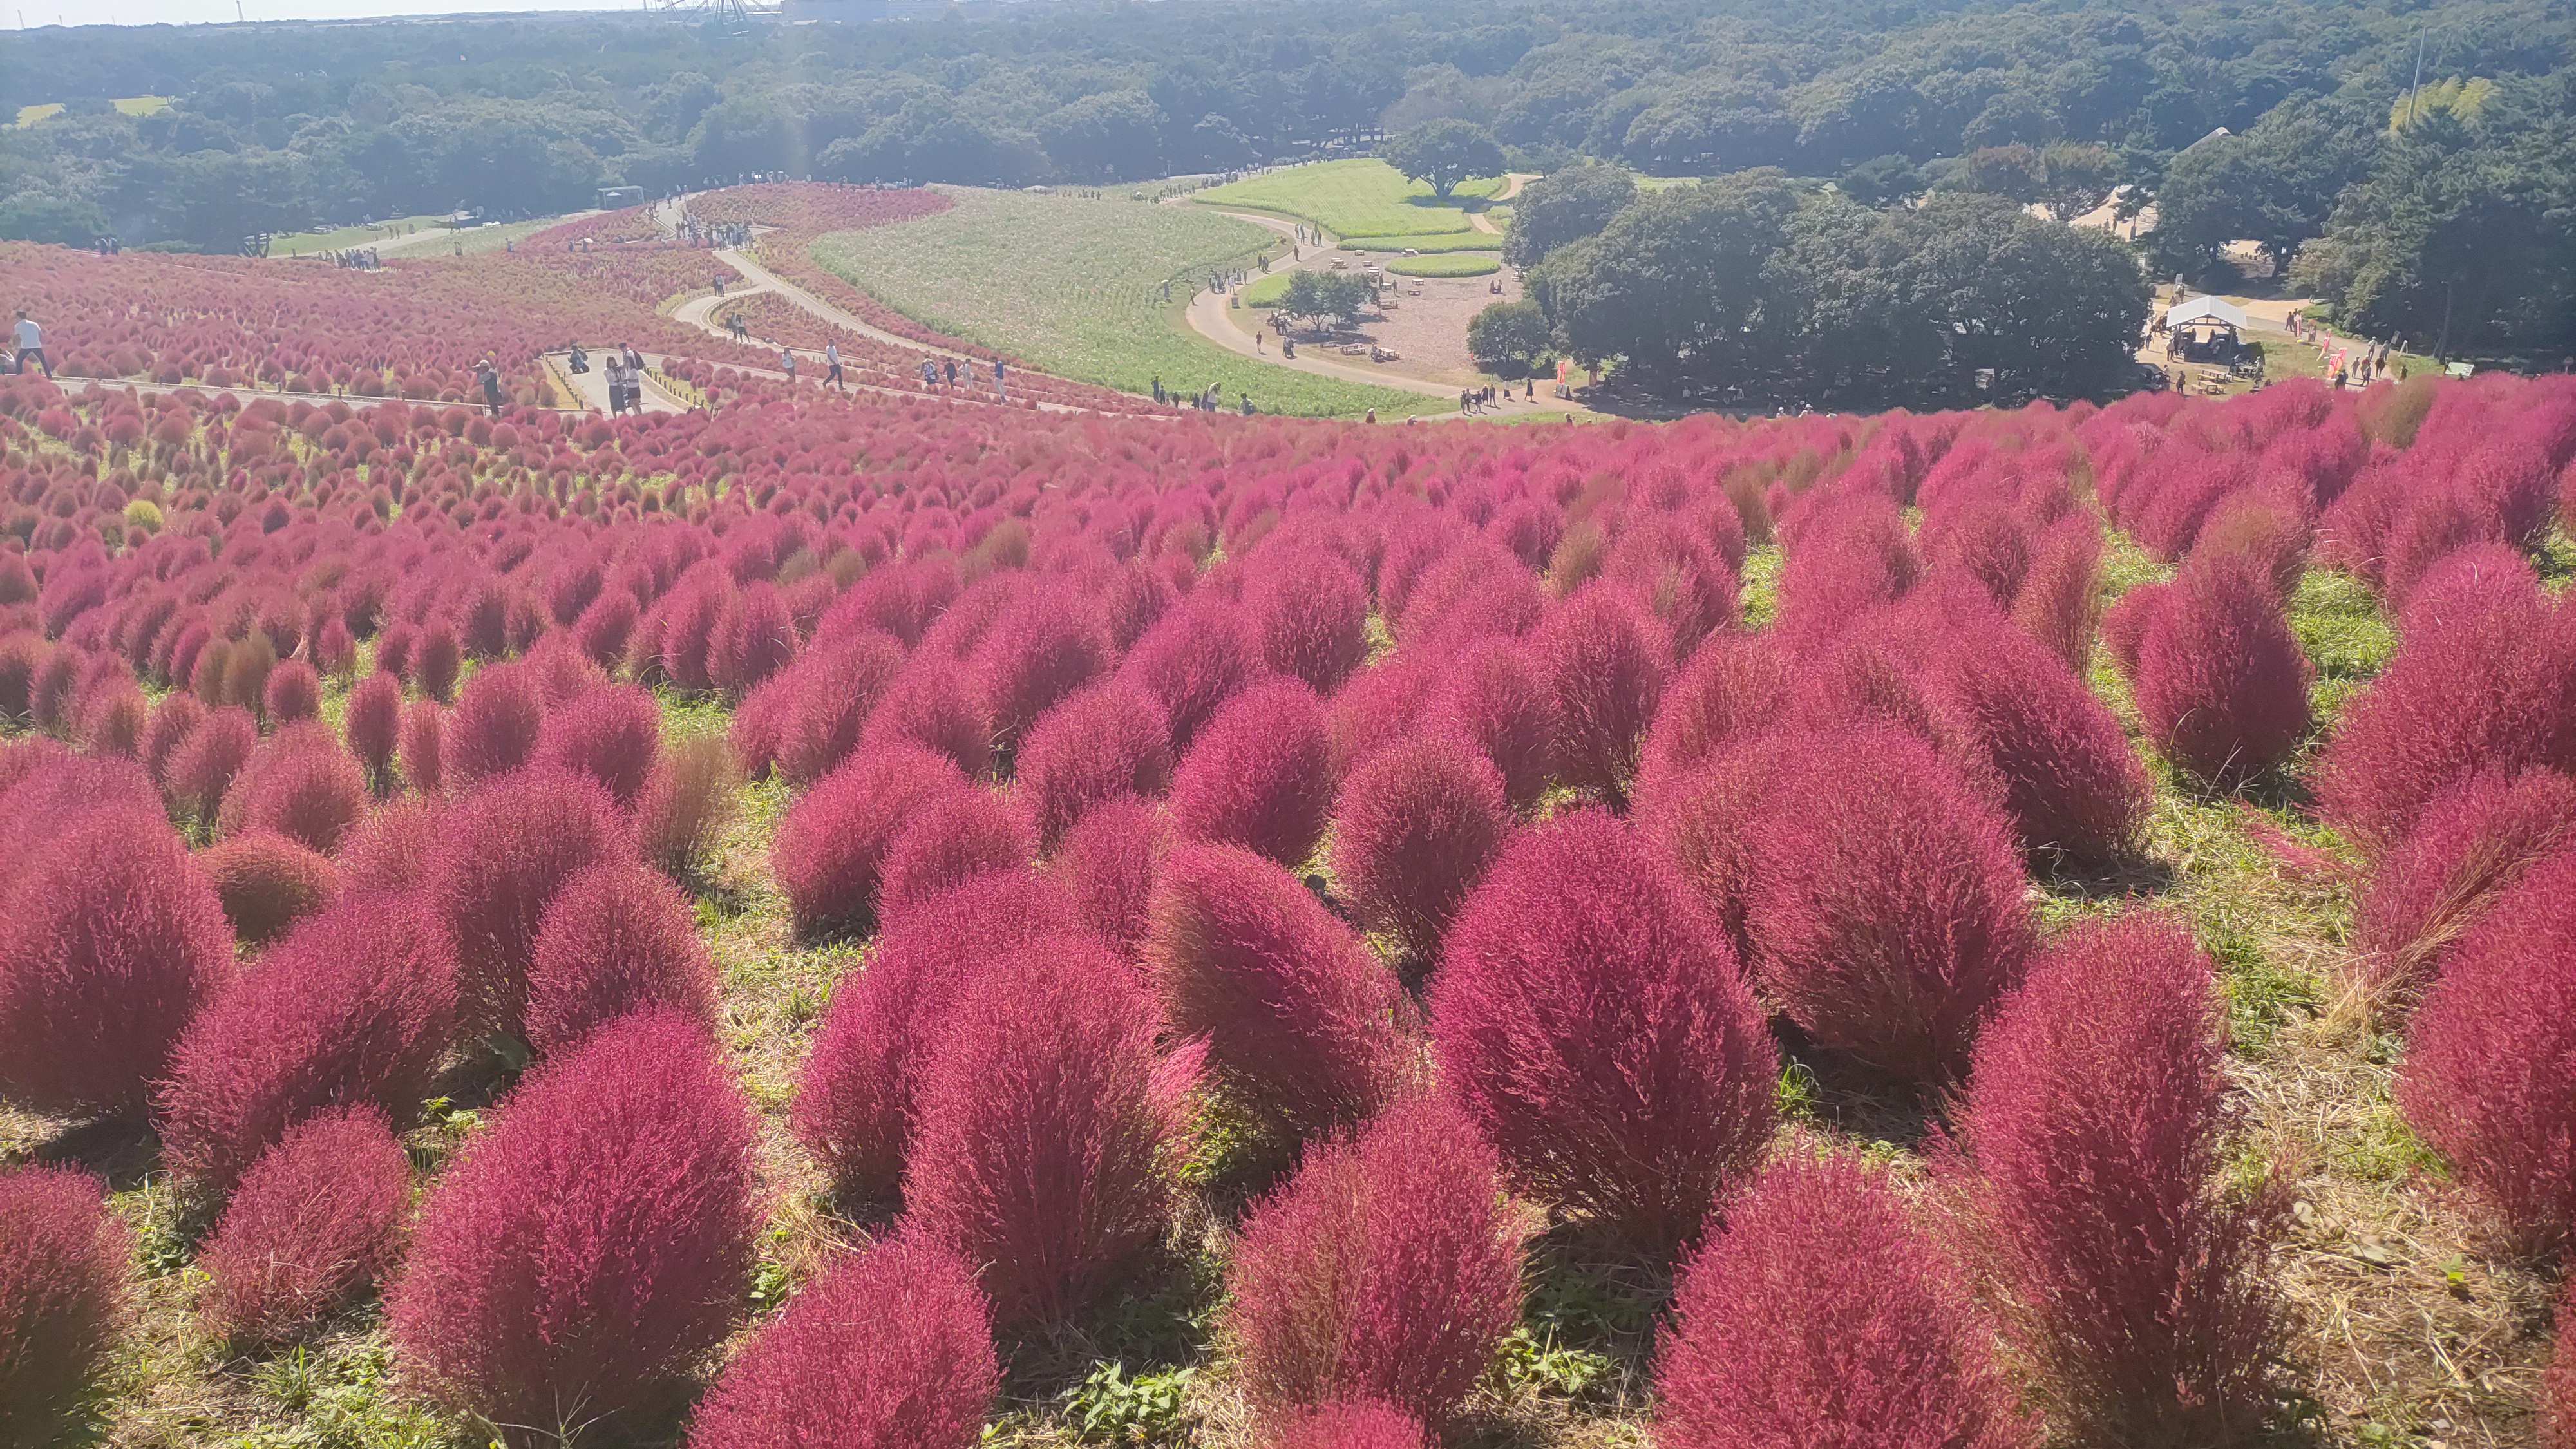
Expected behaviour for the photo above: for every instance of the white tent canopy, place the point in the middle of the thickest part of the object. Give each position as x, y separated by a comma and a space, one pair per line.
2210, 308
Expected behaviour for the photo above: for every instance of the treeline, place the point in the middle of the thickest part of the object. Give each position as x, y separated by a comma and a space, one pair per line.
2446, 200
1762, 292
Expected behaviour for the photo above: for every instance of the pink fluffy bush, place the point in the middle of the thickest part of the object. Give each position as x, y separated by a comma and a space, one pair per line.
1493, 695
1046, 1128
827, 698
1310, 611
2131, 1278
493, 729
316, 1221
1735, 684
267, 882
1417, 825
830, 851
1109, 864
1194, 658
933, 703
1259, 774
2485, 1081
110, 939
505, 850
1043, 647
292, 692
299, 783
590, 1247
371, 723
2059, 600
205, 763
1590, 1017
1821, 1318
687, 801
2473, 841
64, 1274
1307, 1030
1608, 663
616, 938
1388, 1268
2221, 684
423, 753
1109, 742
890, 1348
1884, 902
951, 840
354, 1006
610, 732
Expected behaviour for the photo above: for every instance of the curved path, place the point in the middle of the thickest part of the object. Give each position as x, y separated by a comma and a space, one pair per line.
1207, 318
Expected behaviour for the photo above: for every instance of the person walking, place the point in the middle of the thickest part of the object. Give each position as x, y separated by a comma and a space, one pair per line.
31, 343
787, 364
615, 372
489, 374
952, 372
998, 390
832, 361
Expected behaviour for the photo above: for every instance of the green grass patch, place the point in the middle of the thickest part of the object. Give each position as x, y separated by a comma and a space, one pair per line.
130, 105
1456, 264
1266, 291
1465, 241
1074, 286
306, 243
1351, 199
2339, 625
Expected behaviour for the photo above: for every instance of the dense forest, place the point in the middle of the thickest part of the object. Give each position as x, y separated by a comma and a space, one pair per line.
2443, 209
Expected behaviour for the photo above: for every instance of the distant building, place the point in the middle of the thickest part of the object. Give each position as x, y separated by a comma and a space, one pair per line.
613, 197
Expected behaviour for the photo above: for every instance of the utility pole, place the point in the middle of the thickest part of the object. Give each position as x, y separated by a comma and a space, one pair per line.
2417, 88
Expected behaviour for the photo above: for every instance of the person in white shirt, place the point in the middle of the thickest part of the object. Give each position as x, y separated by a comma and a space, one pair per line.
832, 362
31, 343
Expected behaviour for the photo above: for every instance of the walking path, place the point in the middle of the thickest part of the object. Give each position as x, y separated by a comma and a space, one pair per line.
1207, 318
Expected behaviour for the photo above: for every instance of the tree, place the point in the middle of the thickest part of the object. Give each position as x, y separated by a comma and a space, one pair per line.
1105, 136
1508, 337
1314, 296
1445, 153
1564, 206
1879, 181
1674, 283
2274, 186
2076, 177
2012, 172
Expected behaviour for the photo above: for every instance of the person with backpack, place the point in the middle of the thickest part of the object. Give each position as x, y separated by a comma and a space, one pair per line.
488, 373
31, 343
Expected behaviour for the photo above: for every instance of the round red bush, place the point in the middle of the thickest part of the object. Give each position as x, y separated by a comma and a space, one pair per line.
268, 882
616, 938
1109, 864
293, 692
612, 733
1107, 743
1259, 774
504, 852
65, 1267
371, 723
1417, 826
829, 853
956, 837
316, 1222
2221, 684
1608, 663
493, 729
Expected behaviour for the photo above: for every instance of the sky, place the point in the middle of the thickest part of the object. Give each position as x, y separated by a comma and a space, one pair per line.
31, 13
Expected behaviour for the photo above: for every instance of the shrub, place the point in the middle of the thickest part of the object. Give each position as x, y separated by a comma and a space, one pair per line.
390, 849
506, 849
1045, 646
956, 837
371, 723
1310, 611
616, 938
204, 765
424, 726
612, 733
1044, 1129
1848, 558
2060, 597
891, 1348
63, 1289
1109, 864
435, 657
2221, 684
292, 692
602, 631
1108, 742
854, 1106
2130, 1280
686, 803
1734, 683
1590, 1017
933, 703
1259, 774
1385, 702
827, 700
316, 1221
493, 729
1388, 1268
246, 668
111, 940
1417, 825
1307, 1030
2472, 842
1493, 695
754, 637
268, 882
2484, 1081
1885, 902
169, 726
354, 1006
1822, 1316
1608, 664
1365, 1424
299, 783
1194, 658
829, 853
593, 1244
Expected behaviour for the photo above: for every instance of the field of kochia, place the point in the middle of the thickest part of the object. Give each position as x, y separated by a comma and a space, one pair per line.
844, 922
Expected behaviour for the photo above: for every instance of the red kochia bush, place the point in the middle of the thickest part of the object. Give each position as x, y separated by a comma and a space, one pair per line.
1046, 1128
891, 1348
687, 800
1258, 774
301, 784
593, 1244
205, 763
825, 700
1109, 864
1307, 1030
956, 837
854, 1107
390, 849
2130, 1277
2472, 842
371, 723
1418, 824
2221, 684
354, 1006
1822, 1317
293, 692
1311, 613
316, 1222
1608, 663
506, 850
2489, 1079
1493, 695
64, 1269
493, 729
424, 725
1389, 1267
1194, 658
1108, 742
934, 703
1590, 1017
1044, 646
1735, 683
268, 882
616, 938
110, 938
1365, 1424
611, 732
1885, 901
830, 850
172, 719
2059, 600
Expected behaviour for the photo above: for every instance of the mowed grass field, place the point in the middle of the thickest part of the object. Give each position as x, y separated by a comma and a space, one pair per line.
1356, 199
1074, 287
130, 105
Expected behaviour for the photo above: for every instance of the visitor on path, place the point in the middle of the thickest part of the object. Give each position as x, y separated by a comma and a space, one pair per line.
787, 363
832, 362
1158, 389
952, 373
1256, 341
580, 360
998, 390
930, 374
31, 343
1372, 416
1247, 405
489, 374
634, 369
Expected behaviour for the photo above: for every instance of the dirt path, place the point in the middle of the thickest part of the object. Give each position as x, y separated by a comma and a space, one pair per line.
699, 313
1483, 223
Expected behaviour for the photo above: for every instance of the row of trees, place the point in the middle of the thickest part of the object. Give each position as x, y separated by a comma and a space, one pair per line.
1756, 287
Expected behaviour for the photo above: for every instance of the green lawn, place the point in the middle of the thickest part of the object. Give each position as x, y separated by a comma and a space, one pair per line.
1464, 241
1353, 199
1457, 264
130, 105
1075, 287
305, 243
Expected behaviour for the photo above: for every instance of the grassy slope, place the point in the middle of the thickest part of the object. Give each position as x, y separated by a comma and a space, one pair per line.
1074, 286
1353, 199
